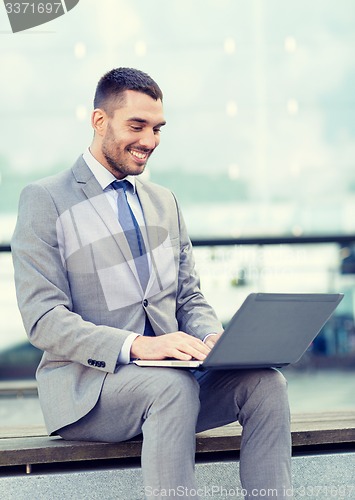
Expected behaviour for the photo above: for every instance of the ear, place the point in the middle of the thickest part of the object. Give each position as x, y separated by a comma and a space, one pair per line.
99, 121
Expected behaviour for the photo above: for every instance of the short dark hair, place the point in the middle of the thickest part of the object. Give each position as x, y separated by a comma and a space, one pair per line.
114, 83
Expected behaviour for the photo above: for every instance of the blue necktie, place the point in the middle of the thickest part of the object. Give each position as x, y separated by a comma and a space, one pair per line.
132, 232
134, 238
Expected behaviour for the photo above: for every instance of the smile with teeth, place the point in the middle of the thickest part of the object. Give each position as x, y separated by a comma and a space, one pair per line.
138, 154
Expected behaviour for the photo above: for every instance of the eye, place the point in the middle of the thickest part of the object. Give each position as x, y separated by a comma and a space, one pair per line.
157, 130
136, 128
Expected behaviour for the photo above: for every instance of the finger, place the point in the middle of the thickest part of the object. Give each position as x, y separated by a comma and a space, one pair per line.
195, 350
183, 356
212, 340
186, 341
210, 344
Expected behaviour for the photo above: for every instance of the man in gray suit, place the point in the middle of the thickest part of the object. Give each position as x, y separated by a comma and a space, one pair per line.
85, 303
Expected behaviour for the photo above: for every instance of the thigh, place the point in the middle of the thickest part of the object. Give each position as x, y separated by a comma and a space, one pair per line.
223, 393
125, 401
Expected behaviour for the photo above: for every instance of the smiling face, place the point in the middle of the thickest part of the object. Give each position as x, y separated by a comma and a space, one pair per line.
125, 138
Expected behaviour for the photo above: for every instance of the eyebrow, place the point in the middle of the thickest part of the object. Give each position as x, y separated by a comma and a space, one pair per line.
141, 120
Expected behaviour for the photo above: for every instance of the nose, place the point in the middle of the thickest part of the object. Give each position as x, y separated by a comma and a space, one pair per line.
149, 139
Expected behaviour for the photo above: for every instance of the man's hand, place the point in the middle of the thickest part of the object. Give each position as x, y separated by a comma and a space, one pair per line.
178, 345
212, 339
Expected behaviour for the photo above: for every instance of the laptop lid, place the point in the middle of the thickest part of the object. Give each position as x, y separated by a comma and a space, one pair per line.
269, 330
272, 330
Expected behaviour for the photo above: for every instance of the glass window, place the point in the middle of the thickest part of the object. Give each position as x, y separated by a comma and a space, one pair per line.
258, 98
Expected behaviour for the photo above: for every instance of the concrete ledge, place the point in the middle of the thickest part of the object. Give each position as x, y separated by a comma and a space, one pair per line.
67, 470
18, 388
316, 477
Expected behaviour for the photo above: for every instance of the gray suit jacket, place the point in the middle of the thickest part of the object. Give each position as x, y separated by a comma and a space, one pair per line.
78, 290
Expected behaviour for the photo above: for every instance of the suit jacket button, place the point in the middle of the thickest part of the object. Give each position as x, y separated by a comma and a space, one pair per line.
103, 364
91, 362
145, 302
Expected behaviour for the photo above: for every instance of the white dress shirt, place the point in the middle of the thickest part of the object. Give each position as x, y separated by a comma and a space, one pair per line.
105, 179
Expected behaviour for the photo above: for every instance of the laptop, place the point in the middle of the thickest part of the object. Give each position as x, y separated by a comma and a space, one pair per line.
268, 330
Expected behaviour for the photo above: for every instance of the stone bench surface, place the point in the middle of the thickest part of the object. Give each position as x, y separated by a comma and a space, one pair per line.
31, 444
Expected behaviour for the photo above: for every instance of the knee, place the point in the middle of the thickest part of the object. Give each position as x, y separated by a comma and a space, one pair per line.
273, 380
272, 390
180, 388
181, 384
266, 390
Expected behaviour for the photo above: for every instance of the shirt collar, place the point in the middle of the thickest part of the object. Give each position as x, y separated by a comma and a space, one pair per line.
102, 175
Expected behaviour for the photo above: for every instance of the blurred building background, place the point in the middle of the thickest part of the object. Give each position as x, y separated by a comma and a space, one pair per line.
259, 142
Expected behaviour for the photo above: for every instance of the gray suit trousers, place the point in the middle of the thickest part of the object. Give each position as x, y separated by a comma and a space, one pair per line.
169, 405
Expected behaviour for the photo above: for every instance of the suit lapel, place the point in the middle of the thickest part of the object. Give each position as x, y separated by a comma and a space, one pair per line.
98, 200
152, 225
151, 217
